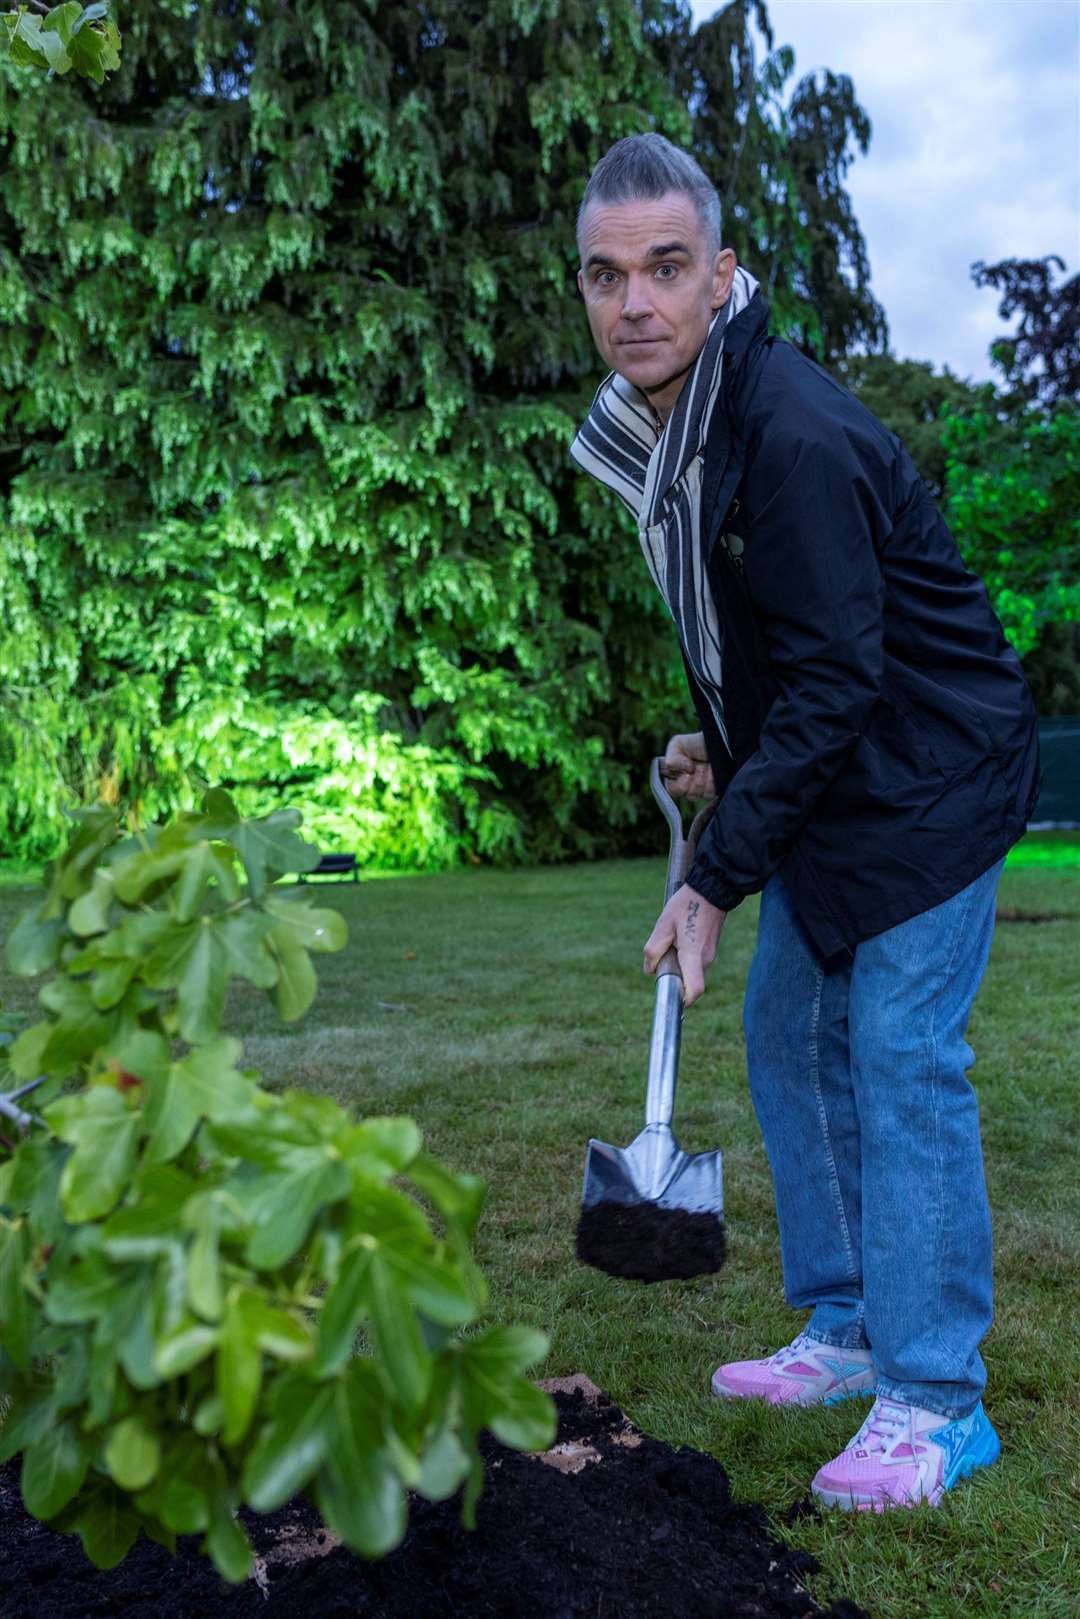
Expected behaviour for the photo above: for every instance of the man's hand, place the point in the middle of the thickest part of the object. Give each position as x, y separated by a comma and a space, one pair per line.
686, 769
693, 926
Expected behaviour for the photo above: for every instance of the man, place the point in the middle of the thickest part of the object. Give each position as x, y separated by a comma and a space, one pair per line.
873, 744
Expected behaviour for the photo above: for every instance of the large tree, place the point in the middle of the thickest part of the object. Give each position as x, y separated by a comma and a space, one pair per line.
293, 356
1041, 358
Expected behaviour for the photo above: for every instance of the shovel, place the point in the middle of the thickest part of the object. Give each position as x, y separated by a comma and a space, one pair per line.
651, 1211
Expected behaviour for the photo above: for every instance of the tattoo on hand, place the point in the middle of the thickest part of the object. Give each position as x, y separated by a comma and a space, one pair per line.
691, 917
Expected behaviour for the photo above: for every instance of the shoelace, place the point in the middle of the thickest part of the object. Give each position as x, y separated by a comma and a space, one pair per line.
793, 1351
885, 1423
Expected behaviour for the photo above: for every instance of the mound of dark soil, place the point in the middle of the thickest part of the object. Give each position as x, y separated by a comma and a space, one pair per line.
615, 1526
648, 1243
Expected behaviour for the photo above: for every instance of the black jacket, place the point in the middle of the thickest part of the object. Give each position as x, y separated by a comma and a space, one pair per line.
884, 748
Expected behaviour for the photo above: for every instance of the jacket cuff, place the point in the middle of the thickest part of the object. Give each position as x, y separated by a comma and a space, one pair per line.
711, 886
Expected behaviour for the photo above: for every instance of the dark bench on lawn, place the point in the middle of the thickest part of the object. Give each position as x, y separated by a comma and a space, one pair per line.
334, 865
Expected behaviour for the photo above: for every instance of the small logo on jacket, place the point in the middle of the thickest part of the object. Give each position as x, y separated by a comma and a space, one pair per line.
733, 545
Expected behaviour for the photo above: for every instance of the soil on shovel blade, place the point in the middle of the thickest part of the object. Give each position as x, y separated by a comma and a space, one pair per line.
648, 1243
608, 1524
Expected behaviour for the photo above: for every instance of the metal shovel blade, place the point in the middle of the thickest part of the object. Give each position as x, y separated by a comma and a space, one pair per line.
654, 1169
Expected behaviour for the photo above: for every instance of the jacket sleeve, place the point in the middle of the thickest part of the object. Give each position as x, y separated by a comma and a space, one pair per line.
816, 589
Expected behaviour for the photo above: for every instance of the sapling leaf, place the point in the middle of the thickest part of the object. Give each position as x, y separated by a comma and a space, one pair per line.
458, 1197
53, 1469
133, 1330
405, 1359
184, 1504
209, 1416
184, 1348
381, 1147
202, 868
343, 1309
243, 936
133, 1453
25, 1422
104, 1133
295, 976
111, 980
204, 1084
226, 1541
239, 1367
25, 1057
90, 912
80, 1288
496, 1394
142, 1054
16, 1321
292, 1446
313, 927
282, 1203
34, 941
269, 847
359, 1493
525, 1419
444, 1466
203, 1261
434, 1284
107, 1525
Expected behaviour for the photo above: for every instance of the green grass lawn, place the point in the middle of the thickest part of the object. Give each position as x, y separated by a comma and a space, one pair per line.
507, 1012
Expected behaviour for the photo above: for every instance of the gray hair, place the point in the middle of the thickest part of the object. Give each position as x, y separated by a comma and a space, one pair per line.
643, 167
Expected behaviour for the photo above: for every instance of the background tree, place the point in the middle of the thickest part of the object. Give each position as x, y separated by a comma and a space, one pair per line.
911, 397
1013, 482
294, 356
780, 158
1042, 357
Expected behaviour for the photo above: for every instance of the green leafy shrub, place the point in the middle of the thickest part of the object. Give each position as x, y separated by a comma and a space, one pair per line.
187, 1259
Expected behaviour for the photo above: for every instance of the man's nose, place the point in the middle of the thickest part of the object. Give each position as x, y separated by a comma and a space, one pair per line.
637, 303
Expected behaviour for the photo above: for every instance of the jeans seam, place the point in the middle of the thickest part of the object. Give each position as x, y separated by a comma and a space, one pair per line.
834, 1178
940, 1224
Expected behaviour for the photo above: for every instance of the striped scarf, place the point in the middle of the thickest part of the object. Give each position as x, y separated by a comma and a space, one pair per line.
659, 479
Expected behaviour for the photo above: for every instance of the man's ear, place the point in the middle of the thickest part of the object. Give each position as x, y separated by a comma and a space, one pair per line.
724, 266
581, 282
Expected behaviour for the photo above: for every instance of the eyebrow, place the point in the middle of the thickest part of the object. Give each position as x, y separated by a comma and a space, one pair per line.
662, 250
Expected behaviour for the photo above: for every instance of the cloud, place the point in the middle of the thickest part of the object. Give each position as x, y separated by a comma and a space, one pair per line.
975, 154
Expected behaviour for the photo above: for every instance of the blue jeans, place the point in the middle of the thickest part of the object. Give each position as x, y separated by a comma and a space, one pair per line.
858, 1077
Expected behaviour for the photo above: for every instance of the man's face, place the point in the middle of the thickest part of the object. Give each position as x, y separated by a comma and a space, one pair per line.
651, 287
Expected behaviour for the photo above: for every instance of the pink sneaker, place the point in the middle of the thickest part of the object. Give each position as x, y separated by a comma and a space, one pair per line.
904, 1454
805, 1372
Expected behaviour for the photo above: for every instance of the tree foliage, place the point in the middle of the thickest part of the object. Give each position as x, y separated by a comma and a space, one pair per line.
293, 356
779, 153
912, 398
1042, 357
187, 1259
1013, 501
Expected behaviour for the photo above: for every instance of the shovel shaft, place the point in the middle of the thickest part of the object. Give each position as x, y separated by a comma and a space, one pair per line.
667, 1018
664, 1050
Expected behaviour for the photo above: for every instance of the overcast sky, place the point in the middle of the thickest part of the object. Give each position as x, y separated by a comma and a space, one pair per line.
975, 106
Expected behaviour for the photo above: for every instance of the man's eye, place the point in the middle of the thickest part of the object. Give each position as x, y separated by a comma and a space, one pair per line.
663, 269
605, 278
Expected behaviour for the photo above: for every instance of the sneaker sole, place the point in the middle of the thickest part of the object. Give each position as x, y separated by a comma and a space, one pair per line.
828, 1399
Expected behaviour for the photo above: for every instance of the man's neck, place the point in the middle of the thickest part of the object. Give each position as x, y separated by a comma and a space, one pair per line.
663, 400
